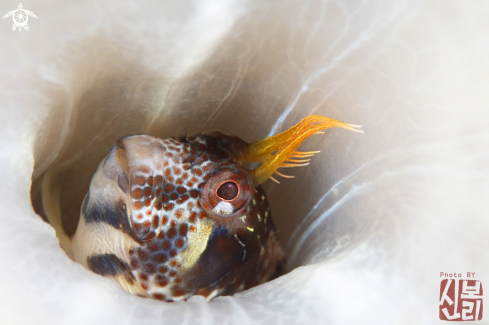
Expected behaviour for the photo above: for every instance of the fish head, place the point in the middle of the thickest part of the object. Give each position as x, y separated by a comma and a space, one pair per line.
188, 217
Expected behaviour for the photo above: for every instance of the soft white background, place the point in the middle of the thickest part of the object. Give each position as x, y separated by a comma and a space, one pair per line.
372, 221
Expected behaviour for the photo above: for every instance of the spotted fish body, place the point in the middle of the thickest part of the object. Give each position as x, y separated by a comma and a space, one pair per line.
171, 247
169, 218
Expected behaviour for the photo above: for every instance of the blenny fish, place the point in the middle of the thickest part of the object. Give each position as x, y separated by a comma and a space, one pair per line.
169, 218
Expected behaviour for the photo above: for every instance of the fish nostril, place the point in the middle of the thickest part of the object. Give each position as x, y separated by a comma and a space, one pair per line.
228, 191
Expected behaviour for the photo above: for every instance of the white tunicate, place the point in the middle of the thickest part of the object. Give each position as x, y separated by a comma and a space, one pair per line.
367, 227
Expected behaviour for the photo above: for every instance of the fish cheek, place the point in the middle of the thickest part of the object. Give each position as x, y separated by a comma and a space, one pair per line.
222, 254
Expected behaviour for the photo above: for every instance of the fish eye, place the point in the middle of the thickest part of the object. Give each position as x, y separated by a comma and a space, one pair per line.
227, 193
228, 190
